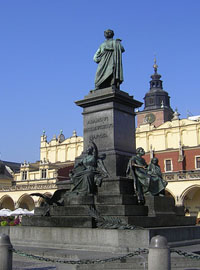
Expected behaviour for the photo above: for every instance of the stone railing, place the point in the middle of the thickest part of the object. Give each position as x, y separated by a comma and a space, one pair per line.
27, 187
182, 176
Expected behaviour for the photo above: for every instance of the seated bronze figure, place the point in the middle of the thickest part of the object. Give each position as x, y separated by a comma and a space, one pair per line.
147, 179
88, 173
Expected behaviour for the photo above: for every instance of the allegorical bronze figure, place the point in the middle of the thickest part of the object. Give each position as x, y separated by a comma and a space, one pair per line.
109, 60
88, 174
147, 179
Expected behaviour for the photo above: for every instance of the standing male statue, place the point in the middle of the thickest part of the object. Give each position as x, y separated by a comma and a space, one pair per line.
109, 60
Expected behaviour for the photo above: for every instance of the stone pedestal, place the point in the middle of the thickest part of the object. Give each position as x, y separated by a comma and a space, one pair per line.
158, 212
109, 120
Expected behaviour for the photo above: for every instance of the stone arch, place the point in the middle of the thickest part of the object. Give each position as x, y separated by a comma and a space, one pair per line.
7, 202
169, 193
191, 200
26, 202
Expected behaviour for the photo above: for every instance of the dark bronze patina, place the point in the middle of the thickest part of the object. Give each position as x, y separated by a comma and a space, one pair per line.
109, 60
147, 179
88, 173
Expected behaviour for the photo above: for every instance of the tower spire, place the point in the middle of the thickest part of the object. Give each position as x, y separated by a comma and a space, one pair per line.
156, 97
156, 82
155, 66
157, 108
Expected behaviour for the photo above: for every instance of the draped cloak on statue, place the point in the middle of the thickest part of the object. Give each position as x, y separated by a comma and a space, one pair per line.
109, 59
146, 178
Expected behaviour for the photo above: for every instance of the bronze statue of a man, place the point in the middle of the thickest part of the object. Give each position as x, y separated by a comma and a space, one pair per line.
147, 179
109, 60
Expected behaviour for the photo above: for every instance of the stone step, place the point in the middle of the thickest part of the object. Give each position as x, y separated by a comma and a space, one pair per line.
104, 210
115, 199
60, 221
78, 200
160, 221
160, 205
70, 210
122, 210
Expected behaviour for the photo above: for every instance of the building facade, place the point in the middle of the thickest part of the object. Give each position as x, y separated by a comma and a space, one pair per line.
56, 160
174, 141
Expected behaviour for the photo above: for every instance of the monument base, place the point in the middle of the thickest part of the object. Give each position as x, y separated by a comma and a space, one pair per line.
118, 241
110, 210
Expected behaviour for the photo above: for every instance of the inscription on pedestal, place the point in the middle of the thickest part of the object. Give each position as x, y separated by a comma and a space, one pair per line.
98, 127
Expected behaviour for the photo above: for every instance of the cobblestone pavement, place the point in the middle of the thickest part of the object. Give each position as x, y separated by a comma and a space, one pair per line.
23, 263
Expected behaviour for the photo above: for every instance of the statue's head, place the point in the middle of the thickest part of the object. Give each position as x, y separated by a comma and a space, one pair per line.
140, 151
108, 33
154, 161
90, 150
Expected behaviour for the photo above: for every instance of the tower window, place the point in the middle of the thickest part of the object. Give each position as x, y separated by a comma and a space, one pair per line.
151, 101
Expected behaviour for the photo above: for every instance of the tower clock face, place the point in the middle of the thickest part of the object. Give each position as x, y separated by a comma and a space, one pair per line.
149, 118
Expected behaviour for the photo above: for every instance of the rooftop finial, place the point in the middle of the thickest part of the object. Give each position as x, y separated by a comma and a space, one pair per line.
155, 66
176, 115
74, 133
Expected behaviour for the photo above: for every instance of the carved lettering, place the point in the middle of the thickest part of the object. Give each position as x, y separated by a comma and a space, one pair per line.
97, 136
97, 120
97, 128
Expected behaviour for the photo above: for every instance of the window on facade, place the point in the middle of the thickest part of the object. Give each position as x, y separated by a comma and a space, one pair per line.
24, 175
151, 101
168, 165
44, 173
197, 162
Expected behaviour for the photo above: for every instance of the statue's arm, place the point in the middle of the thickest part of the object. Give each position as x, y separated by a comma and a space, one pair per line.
97, 56
122, 48
95, 152
78, 164
134, 164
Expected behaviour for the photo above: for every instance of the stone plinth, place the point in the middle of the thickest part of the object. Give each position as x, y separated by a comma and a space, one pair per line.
158, 212
98, 239
159, 206
109, 120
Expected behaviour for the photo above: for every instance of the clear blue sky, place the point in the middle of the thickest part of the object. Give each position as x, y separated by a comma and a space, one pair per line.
46, 61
